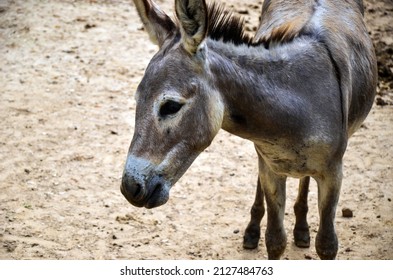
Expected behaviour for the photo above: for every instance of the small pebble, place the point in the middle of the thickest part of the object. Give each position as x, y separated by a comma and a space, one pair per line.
347, 213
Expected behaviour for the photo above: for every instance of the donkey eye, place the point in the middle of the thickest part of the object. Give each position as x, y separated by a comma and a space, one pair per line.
170, 107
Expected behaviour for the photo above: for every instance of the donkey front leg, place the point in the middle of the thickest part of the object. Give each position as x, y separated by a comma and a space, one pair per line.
326, 242
273, 186
253, 230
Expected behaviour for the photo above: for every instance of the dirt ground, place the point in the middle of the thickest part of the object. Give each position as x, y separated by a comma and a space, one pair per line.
68, 73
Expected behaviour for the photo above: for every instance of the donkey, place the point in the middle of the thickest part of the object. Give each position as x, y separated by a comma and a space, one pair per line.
298, 89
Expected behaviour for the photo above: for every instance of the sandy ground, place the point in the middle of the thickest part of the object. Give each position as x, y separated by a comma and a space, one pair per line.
68, 73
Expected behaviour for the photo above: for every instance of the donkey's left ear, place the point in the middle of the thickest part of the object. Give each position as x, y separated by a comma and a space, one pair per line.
157, 24
193, 19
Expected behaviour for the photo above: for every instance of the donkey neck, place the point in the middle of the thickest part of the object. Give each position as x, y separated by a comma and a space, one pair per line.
254, 85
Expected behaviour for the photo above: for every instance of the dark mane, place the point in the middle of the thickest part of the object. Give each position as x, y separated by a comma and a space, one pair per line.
226, 26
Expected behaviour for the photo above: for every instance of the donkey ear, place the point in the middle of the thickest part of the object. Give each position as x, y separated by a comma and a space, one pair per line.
157, 24
192, 15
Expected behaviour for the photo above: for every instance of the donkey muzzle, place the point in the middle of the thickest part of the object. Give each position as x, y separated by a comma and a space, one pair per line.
142, 185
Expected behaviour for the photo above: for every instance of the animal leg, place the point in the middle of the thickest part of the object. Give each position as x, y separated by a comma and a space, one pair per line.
253, 230
326, 242
301, 232
273, 186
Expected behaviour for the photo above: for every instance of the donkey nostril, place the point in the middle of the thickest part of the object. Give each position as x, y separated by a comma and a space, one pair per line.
138, 190
157, 189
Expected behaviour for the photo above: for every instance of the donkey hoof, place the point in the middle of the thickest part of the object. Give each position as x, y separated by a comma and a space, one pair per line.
276, 241
302, 243
327, 255
275, 253
326, 246
327, 252
302, 238
251, 238
250, 244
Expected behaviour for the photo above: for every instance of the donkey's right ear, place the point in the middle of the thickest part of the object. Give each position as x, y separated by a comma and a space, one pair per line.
193, 18
157, 24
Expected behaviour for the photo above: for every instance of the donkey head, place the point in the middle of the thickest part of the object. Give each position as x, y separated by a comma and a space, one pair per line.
178, 113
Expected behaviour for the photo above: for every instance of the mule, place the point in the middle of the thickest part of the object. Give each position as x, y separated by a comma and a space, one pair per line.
298, 89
